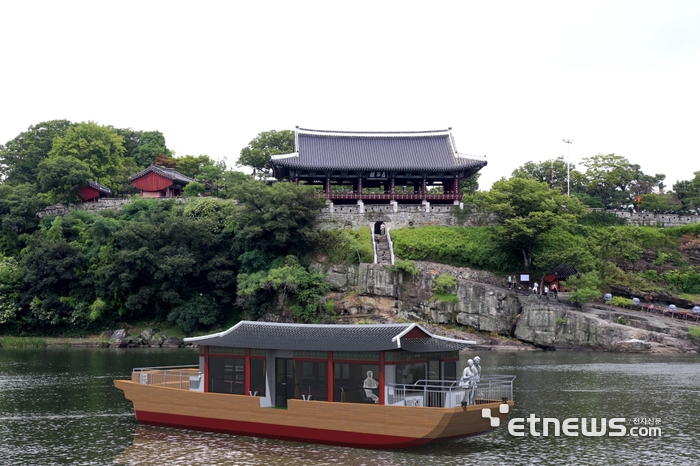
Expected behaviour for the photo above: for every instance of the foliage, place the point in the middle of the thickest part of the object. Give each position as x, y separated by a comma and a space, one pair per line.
61, 177
18, 207
194, 188
474, 247
601, 219
583, 289
346, 246
619, 301
258, 152
191, 165
101, 148
444, 283
687, 281
406, 267
528, 209
199, 311
22, 342
291, 283
275, 220
552, 172
150, 145
20, 157
688, 192
470, 185
444, 297
10, 290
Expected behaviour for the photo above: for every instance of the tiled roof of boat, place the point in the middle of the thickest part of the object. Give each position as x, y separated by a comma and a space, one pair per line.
169, 173
300, 337
410, 151
99, 187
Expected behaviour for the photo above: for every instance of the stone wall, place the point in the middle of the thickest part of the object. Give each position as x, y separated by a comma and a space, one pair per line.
662, 220
400, 216
105, 203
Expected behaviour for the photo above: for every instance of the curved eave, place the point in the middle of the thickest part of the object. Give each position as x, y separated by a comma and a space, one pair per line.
287, 163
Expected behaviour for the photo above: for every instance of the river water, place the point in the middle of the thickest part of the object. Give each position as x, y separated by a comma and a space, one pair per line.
59, 406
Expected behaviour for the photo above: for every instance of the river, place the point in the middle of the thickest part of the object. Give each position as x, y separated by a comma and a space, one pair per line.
59, 406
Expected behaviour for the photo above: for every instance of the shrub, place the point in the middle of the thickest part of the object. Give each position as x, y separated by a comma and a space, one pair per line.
444, 283
622, 302
584, 289
406, 267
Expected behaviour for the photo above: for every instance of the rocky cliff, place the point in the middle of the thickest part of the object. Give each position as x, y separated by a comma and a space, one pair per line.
480, 301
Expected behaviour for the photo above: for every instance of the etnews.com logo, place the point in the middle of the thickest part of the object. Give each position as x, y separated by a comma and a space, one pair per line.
572, 427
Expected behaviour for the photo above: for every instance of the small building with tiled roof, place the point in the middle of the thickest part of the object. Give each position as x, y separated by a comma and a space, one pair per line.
379, 167
156, 181
278, 361
93, 191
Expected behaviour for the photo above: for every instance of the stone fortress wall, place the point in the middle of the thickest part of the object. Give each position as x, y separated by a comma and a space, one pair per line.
397, 215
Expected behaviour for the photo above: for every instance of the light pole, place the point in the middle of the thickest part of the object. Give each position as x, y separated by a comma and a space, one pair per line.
568, 175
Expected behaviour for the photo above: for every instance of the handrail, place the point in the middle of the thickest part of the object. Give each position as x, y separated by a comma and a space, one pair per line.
374, 246
450, 393
391, 245
180, 377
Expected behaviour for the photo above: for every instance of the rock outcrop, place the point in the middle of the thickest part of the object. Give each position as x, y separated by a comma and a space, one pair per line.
480, 301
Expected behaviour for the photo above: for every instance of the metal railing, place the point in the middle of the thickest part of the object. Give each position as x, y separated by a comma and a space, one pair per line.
181, 377
449, 393
391, 245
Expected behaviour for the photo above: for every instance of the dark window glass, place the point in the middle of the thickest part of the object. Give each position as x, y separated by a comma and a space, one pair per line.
450, 368
311, 380
257, 376
227, 375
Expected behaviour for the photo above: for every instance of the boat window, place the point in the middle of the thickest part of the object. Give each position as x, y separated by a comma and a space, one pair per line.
227, 375
257, 376
410, 373
351, 384
311, 380
449, 370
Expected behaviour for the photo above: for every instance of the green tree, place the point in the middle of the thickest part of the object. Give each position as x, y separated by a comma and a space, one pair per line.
688, 192
19, 205
99, 147
10, 290
527, 209
194, 188
61, 176
150, 145
276, 220
583, 289
192, 165
258, 152
471, 184
20, 157
554, 173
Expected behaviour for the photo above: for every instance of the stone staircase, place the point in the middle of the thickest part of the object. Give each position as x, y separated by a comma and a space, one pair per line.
383, 250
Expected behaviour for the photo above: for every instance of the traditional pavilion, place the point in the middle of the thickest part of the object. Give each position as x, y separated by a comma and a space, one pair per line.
157, 181
379, 167
279, 361
93, 192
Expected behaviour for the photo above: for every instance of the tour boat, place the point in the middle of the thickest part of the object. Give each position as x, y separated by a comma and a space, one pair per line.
367, 386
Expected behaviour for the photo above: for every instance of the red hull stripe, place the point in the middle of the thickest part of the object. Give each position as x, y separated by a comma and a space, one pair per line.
297, 434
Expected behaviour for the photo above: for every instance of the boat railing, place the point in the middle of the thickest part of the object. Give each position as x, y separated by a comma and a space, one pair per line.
181, 377
450, 393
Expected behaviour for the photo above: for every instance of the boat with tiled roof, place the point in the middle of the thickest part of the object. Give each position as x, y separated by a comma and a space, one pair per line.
369, 386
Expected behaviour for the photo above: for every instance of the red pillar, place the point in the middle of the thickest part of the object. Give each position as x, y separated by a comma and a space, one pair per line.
328, 187
246, 388
359, 187
331, 377
206, 369
381, 378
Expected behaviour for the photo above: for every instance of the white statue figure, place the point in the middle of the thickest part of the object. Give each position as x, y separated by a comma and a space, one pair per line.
468, 381
477, 366
370, 384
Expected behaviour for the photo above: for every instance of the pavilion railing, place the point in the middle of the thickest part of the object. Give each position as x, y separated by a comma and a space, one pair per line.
449, 393
180, 377
392, 197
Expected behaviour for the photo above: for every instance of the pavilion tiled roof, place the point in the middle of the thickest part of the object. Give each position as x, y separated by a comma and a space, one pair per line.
99, 187
169, 173
403, 151
318, 337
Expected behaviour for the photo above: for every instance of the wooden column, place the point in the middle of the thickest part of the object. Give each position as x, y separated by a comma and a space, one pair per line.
331, 377
422, 187
381, 378
392, 185
359, 186
246, 383
457, 190
206, 369
328, 186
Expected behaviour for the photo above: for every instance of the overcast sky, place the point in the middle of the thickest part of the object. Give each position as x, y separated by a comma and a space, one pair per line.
511, 78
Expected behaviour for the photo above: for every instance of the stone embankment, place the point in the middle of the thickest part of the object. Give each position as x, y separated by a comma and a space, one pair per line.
485, 304
148, 338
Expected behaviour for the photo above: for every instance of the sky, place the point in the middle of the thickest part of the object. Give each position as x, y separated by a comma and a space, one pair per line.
511, 78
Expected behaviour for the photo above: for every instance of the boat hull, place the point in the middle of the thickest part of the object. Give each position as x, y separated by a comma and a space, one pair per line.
345, 424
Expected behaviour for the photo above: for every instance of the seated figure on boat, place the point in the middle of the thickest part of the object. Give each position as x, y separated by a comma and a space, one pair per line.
369, 385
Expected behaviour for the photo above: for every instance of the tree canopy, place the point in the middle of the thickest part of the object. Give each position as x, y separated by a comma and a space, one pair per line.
258, 152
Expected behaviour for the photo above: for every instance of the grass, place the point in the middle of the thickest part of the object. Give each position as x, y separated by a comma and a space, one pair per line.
22, 342
445, 298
